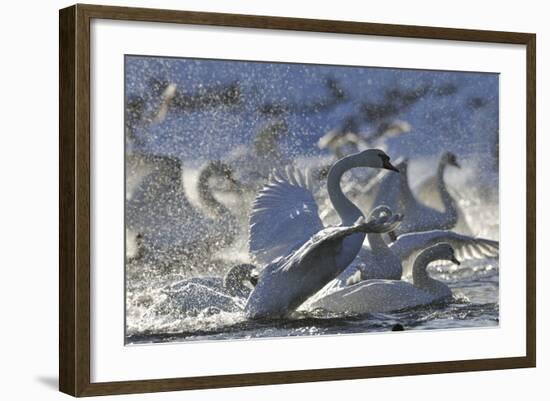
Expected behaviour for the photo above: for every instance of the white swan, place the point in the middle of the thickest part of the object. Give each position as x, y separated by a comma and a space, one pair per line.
214, 293
358, 185
252, 163
467, 247
379, 296
157, 209
430, 192
287, 233
221, 213
391, 261
376, 259
346, 137
418, 216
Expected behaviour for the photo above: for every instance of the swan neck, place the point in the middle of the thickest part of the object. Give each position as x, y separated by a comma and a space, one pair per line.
345, 208
207, 197
448, 201
377, 243
420, 275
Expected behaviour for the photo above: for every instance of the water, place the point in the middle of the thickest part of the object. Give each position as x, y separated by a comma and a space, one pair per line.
475, 304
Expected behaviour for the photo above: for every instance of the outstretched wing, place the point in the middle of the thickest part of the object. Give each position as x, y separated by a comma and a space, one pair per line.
466, 247
284, 216
378, 225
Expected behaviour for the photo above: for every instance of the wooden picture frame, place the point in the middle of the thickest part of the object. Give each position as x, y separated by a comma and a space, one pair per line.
74, 200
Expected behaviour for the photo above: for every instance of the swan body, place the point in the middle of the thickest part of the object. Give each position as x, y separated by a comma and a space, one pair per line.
156, 206
224, 294
300, 254
346, 137
289, 281
159, 211
429, 192
380, 296
376, 260
253, 163
417, 215
368, 265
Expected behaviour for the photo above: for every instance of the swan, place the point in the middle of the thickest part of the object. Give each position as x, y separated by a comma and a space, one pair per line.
159, 212
139, 116
380, 296
301, 254
467, 247
417, 215
252, 164
221, 213
430, 190
344, 140
346, 137
376, 260
213, 293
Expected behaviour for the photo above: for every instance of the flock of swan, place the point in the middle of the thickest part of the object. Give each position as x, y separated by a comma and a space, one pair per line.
359, 265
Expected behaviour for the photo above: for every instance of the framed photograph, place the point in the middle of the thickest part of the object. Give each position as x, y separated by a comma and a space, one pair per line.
250, 200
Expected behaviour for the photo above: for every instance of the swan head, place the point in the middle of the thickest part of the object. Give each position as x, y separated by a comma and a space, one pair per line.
380, 211
395, 128
238, 277
374, 158
219, 170
444, 251
384, 211
450, 159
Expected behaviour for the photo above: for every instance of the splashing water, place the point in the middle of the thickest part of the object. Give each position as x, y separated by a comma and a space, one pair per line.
256, 116
153, 317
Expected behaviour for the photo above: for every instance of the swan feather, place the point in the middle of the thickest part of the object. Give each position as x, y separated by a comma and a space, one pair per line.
284, 216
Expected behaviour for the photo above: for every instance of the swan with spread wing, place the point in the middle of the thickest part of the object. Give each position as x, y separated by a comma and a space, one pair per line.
300, 254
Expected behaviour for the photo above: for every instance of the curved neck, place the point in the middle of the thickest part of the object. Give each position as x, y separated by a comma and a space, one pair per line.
420, 275
346, 209
448, 201
207, 197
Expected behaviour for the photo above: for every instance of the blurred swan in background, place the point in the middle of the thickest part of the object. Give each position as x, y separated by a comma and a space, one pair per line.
346, 139
301, 254
417, 215
160, 216
252, 163
379, 296
210, 172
